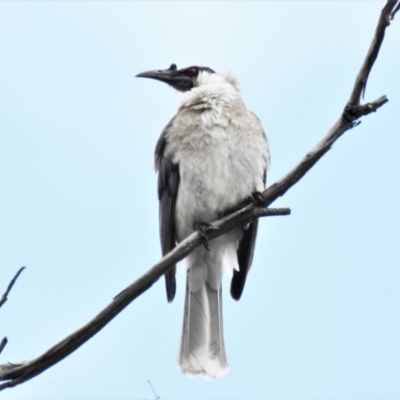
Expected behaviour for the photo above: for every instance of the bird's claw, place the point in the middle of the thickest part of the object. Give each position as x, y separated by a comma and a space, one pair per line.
258, 199
202, 228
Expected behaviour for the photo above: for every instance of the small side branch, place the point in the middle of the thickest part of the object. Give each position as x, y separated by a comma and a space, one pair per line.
352, 112
3, 344
156, 397
9, 287
395, 11
271, 212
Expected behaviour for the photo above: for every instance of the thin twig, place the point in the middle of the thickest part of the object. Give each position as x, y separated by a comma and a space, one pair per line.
395, 11
10, 285
3, 343
154, 392
15, 375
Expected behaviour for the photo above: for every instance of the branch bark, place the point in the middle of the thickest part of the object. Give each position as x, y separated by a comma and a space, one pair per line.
15, 374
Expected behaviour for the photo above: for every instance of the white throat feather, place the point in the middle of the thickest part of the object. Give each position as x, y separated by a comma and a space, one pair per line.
212, 91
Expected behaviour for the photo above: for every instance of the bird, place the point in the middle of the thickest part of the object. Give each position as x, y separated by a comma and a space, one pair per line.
212, 156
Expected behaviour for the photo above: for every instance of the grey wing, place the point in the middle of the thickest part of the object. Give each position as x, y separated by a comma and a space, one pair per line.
246, 246
168, 184
245, 257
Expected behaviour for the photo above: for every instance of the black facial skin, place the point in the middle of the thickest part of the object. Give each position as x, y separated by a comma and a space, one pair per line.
182, 80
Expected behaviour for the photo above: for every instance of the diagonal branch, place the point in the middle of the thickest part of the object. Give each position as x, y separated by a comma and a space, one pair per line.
19, 373
15, 374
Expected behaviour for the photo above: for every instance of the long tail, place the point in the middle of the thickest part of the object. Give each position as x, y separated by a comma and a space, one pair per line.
202, 349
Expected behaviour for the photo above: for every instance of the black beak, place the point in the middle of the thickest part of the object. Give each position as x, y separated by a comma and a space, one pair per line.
171, 76
163, 75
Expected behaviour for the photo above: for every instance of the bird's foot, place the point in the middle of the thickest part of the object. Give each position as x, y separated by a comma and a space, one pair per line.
203, 228
257, 199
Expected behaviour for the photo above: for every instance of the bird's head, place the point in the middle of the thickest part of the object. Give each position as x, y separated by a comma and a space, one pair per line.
180, 79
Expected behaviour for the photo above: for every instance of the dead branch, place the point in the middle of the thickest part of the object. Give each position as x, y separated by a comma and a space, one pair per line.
15, 374
361, 81
3, 344
4, 298
10, 285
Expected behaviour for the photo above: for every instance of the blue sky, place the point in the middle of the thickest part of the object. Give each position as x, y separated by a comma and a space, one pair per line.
319, 317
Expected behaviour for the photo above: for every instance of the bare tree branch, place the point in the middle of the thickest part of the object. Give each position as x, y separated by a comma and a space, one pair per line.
10, 285
362, 77
15, 374
21, 372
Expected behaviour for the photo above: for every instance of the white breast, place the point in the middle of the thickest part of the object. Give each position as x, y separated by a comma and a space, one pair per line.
222, 155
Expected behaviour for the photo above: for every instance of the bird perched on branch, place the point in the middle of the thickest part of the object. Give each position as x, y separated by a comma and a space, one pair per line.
212, 156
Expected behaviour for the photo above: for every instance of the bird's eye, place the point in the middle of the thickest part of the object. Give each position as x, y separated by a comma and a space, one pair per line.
192, 71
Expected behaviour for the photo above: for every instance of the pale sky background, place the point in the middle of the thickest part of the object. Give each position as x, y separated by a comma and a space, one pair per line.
320, 315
